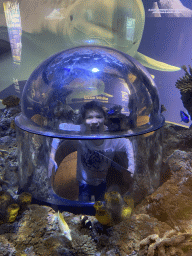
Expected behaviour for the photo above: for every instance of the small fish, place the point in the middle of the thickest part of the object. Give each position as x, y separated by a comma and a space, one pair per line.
184, 117
114, 209
114, 205
85, 222
128, 206
116, 110
63, 226
111, 112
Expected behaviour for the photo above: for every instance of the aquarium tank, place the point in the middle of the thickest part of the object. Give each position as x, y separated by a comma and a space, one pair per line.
126, 34
156, 33
82, 108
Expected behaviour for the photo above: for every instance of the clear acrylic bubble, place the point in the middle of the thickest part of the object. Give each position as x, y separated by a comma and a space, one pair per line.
55, 92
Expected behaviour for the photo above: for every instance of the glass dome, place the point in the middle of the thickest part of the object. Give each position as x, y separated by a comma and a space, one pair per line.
59, 88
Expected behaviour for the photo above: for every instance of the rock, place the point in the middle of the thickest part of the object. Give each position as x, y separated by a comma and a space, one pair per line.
6, 248
5, 201
148, 161
171, 203
39, 230
11, 101
172, 243
174, 138
127, 235
11, 175
5, 140
24, 200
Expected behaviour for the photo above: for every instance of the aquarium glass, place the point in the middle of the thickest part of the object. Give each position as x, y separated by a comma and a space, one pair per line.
56, 92
155, 33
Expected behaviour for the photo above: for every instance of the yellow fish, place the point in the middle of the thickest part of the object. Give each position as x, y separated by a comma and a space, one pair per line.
126, 212
128, 206
115, 208
114, 204
101, 214
63, 226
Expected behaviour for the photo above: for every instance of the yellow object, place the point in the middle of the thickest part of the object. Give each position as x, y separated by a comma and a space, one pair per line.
177, 124
12, 211
5, 200
114, 209
126, 212
64, 226
117, 24
113, 197
25, 198
101, 214
114, 205
128, 206
141, 120
39, 119
132, 77
148, 134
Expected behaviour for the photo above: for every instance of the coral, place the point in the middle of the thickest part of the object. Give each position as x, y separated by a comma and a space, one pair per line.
184, 84
170, 244
83, 245
11, 101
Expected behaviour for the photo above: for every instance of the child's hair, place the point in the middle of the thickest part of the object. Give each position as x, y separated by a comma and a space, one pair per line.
91, 105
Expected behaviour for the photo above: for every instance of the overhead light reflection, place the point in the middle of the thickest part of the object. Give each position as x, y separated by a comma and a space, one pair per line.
94, 70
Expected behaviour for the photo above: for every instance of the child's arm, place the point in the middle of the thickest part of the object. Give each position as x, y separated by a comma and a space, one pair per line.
126, 146
130, 156
52, 162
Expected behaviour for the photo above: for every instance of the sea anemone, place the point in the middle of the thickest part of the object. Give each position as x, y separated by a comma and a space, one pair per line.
83, 245
184, 84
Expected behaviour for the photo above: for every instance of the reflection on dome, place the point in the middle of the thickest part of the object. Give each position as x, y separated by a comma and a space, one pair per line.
62, 84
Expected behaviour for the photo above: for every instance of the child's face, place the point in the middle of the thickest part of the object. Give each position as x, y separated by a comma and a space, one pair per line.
94, 121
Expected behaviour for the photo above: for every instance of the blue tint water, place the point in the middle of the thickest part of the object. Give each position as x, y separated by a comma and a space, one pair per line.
187, 3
